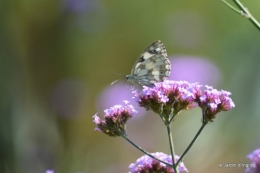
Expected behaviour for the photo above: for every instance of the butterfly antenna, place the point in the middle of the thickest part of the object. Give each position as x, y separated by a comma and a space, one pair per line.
115, 81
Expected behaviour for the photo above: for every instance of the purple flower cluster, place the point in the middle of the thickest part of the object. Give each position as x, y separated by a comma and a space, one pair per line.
213, 101
169, 94
255, 162
182, 95
115, 119
148, 164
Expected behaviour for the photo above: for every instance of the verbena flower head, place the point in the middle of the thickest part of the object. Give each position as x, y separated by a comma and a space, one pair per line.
147, 164
173, 96
255, 162
213, 101
166, 95
115, 119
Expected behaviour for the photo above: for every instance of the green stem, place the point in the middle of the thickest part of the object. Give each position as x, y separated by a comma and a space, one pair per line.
231, 7
142, 150
172, 147
242, 11
192, 142
248, 14
174, 114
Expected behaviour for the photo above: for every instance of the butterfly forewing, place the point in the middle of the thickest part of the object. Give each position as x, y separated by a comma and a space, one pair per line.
151, 67
156, 47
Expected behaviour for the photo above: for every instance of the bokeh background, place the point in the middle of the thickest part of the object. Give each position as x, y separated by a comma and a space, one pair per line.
56, 61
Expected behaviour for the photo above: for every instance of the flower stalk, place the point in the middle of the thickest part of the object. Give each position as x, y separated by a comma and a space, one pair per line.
142, 150
169, 132
242, 11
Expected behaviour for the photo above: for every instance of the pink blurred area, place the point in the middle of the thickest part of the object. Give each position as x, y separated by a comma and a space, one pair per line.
116, 94
194, 69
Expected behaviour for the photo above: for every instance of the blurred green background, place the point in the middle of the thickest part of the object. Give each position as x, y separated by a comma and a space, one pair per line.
56, 58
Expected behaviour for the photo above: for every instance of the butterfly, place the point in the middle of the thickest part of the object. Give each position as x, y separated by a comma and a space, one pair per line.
151, 67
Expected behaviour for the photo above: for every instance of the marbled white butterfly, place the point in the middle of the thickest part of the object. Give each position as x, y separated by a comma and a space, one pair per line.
151, 67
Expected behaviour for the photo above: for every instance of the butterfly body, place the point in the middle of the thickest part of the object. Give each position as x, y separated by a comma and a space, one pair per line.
151, 67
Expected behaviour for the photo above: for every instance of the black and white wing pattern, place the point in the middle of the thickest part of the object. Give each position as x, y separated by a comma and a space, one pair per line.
151, 67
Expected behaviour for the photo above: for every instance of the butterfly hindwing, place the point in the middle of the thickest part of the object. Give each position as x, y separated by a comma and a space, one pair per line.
151, 67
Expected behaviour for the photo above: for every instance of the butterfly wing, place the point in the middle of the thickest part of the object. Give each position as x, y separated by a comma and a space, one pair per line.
152, 66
